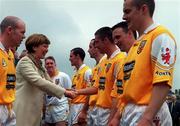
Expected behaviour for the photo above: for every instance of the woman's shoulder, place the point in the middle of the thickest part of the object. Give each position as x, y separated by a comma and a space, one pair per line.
24, 61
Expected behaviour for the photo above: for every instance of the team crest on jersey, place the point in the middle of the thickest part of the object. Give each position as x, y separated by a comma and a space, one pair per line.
4, 62
166, 55
57, 81
141, 46
108, 67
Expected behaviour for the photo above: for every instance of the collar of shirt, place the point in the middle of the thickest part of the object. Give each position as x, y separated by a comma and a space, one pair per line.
82, 66
117, 51
151, 27
105, 56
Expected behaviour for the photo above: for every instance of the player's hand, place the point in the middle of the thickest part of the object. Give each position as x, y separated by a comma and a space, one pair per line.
144, 122
70, 93
114, 122
82, 117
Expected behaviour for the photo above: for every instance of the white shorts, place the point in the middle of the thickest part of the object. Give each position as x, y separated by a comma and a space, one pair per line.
132, 114
91, 117
101, 116
75, 110
7, 118
57, 113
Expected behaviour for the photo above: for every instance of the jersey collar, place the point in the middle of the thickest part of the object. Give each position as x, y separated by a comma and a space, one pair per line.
151, 27
117, 51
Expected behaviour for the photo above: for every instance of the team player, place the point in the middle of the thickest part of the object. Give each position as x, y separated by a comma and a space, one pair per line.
124, 39
123, 36
57, 110
88, 108
12, 33
81, 79
148, 70
104, 42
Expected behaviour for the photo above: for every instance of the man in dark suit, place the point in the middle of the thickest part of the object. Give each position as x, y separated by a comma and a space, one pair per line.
174, 108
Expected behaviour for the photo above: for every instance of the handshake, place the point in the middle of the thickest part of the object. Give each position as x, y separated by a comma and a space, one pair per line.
71, 93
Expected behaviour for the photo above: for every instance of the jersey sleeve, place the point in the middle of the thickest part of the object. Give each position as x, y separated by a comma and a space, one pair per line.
88, 76
67, 82
163, 55
117, 87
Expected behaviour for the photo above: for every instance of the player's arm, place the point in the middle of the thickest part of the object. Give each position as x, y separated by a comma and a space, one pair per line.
115, 93
88, 90
159, 93
116, 119
83, 114
114, 109
114, 96
117, 115
163, 55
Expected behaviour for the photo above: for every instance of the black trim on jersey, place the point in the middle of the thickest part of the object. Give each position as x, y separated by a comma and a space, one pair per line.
129, 66
11, 78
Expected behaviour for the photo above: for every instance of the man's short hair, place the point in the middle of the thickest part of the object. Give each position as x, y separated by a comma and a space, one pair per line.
51, 58
79, 51
124, 26
105, 32
149, 3
9, 21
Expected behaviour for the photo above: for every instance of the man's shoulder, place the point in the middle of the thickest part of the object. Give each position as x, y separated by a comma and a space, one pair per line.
63, 74
160, 29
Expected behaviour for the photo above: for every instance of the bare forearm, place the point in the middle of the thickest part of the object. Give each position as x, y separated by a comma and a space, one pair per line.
158, 97
87, 91
116, 119
113, 109
86, 105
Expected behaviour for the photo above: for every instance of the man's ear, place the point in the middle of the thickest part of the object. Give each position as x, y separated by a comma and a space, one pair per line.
34, 48
78, 56
144, 9
9, 29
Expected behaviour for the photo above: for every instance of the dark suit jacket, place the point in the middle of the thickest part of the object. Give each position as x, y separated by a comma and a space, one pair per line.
175, 112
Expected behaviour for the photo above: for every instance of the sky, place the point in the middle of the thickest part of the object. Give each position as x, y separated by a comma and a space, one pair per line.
72, 23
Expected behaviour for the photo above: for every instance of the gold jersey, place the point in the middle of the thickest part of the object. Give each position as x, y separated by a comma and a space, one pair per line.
7, 77
106, 80
150, 61
78, 82
93, 98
